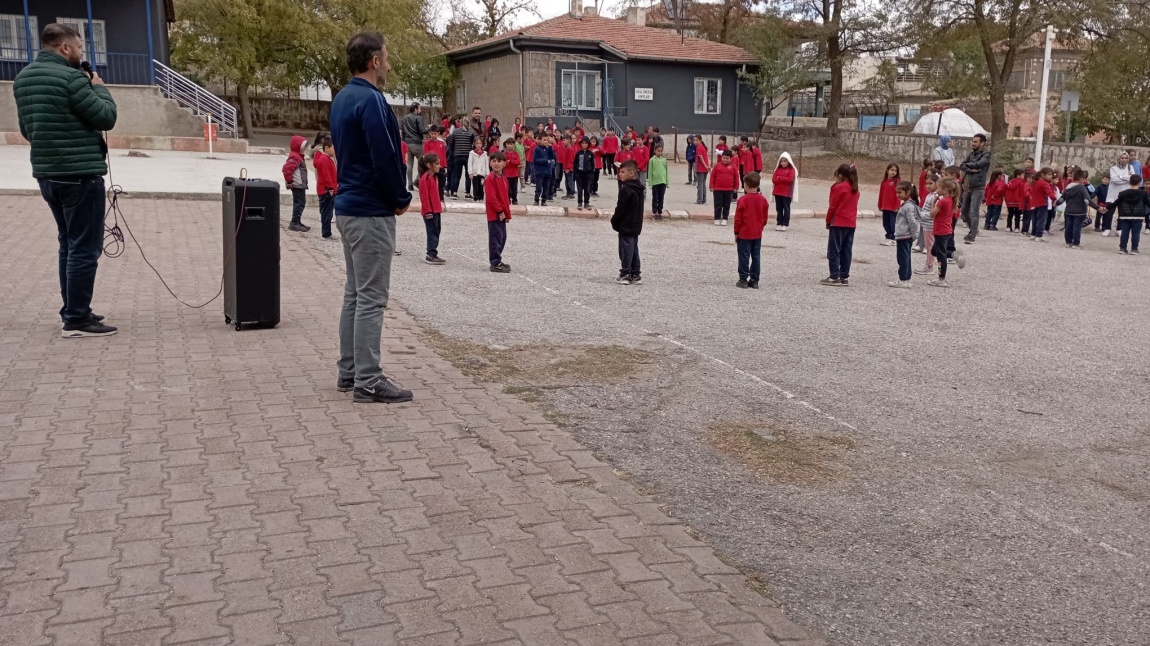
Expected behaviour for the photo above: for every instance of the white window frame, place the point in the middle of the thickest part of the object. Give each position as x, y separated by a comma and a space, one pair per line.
701, 99
460, 94
99, 43
11, 48
578, 79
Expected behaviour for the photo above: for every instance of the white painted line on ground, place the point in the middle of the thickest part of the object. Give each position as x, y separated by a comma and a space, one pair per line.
667, 339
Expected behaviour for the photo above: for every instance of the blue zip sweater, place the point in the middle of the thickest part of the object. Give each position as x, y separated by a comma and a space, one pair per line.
369, 161
543, 158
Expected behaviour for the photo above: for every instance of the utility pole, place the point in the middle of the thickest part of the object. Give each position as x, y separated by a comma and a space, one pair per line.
1042, 97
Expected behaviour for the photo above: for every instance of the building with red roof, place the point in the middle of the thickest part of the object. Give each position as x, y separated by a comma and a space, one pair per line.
606, 72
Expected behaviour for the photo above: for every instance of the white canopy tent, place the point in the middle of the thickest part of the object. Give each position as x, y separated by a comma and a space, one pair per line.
955, 123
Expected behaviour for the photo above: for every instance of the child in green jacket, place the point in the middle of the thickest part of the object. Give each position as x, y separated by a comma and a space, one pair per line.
657, 172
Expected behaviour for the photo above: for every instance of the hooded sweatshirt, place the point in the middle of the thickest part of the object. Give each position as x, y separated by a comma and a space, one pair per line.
1077, 197
906, 222
783, 180
628, 217
295, 169
943, 151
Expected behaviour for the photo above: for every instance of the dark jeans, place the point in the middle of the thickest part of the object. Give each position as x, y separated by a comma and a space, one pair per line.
971, 203
477, 188
513, 189
433, 223
723, 204
1131, 231
658, 193
993, 212
78, 205
749, 256
1074, 229
690, 171
441, 180
457, 169
496, 238
1027, 216
904, 268
609, 163
583, 180
629, 255
1013, 217
326, 212
783, 210
298, 202
888, 218
941, 251
542, 184
840, 246
1039, 222
556, 182
569, 181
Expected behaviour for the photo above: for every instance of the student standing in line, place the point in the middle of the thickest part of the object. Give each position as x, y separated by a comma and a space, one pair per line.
597, 150
995, 194
943, 217
783, 183
888, 201
477, 168
326, 184
657, 168
926, 223
643, 159
690, 157
1102, 191
1042, 196
724, 184
511, 169
1131, 205
583, 165
1077, 198
702, 167
1013, 197
905, 231
498, 213
842, 217
751, 214
610, 149
627, 221
431, 206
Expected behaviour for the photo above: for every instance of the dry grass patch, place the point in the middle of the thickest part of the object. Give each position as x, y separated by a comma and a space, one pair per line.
781, 453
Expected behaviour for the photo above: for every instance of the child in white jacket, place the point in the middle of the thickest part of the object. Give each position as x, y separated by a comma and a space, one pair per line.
478, 167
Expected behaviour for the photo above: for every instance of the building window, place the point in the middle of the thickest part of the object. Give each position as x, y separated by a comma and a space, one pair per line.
1057, 79
708, 96
99, 42
14, 37
580, 90
460, 95
1014, 83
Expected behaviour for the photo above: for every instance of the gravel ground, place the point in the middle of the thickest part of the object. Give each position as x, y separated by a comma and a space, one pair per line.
997, 491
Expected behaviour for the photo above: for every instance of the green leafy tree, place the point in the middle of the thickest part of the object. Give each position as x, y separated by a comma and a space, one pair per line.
784, 67
1114, 89
957, 68
248, 44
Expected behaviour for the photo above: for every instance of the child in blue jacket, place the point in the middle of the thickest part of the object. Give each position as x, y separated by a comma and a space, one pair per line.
543, 164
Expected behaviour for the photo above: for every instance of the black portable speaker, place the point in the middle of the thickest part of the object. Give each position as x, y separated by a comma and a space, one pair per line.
251, 252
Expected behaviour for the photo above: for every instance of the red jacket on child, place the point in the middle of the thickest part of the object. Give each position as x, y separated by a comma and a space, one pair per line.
1040, 192
783, 181
844, 207
887, 197
642, 157
944, 222
624, 155
757, 156
751, 214
495, 197
921, 185
325, 180
512, 167
437, 146
725, 177
598, 152
1014, 192
610, 144
429, 195
995, 193
746, 159
529, 149
702, 163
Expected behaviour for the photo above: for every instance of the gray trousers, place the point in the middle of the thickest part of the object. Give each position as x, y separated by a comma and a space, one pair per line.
701, 181
414, 153
971, 203
368, 248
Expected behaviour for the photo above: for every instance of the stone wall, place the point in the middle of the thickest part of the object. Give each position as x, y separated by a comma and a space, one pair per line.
140, 111
845, 123
286, 114
912, 149
493, 85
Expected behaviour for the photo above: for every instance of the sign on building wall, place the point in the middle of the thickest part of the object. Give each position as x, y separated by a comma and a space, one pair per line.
644, 94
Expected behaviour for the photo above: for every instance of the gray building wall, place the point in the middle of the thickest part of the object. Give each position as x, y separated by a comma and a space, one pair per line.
140, 110
674, 98
125, 23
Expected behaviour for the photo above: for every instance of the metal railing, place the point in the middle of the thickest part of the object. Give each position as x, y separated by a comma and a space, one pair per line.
202, 103
114, 68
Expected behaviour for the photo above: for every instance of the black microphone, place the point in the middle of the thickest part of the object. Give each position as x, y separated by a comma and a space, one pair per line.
87, 67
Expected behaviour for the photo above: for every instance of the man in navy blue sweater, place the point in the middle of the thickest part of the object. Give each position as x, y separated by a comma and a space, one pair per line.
372, 191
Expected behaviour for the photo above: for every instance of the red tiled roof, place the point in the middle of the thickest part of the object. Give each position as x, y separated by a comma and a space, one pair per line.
633, 41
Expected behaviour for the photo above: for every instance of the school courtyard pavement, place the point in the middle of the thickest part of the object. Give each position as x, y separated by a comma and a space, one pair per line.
191, 175
183, 483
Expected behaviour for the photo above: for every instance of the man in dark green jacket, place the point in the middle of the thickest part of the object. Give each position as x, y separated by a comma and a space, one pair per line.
62, 111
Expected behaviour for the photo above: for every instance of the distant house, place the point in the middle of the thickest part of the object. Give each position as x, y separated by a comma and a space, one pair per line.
121, 37
607, 72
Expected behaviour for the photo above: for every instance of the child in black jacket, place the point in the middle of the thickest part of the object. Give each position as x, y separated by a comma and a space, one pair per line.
628, 222
584, 166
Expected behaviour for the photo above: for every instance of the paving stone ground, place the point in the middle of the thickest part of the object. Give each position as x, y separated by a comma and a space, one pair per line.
182, 483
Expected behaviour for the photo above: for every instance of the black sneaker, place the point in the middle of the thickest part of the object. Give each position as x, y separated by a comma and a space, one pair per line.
636, 280
844, 282
753, 284
434, 260
345, 385
501, 268
91, 327
829, 281
297, 226
536, 202
99, 318
383, 392
742, 284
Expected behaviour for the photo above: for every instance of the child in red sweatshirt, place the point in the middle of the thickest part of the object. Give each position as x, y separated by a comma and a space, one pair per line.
431, 205
995, 196
1042, 195
511, 170
498, 213
842, 218
642, 157
1012, 195
326, 184
751, 214
724, 184
888, 201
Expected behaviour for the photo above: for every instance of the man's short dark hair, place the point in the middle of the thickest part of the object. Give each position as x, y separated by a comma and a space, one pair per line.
414, 107
361, 48
629, 164
55, 34
981, 137
477, 108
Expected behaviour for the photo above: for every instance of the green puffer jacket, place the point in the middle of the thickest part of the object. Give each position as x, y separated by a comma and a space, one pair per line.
62, 114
